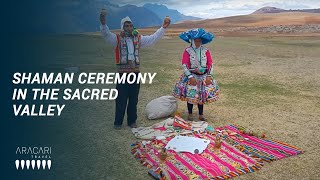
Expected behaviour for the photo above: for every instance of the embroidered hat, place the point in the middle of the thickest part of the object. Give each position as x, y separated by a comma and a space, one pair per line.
195, 33
135, 32
126, 19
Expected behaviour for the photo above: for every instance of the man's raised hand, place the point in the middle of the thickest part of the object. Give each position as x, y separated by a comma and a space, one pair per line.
166, 22
103, 15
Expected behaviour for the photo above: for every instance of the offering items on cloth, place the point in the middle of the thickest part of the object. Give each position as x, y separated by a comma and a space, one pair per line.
239, 154
169, 127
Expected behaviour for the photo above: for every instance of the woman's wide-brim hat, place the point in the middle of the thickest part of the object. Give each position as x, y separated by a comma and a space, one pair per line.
196, 33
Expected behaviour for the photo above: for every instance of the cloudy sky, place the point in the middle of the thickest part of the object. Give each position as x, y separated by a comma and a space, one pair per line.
223, 8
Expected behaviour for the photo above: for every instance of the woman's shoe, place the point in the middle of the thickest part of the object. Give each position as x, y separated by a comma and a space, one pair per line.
190, 118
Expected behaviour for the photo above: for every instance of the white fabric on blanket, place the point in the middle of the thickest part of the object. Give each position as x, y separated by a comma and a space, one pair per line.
166, 129
187, 144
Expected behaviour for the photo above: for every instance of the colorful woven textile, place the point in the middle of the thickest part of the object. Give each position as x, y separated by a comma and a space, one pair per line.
239, 154
267, 150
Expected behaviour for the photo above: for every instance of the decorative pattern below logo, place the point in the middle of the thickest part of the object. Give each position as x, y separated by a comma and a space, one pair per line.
40, 164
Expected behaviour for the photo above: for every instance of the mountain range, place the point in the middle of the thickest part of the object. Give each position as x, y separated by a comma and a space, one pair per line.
267, 20
162, 11
75, 16
268, 9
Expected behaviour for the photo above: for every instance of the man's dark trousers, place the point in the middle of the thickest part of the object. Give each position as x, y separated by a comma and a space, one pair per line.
127, 99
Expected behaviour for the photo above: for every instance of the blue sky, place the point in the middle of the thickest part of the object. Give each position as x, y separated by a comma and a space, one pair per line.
223, 8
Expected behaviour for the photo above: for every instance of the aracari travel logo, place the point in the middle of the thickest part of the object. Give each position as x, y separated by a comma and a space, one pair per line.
33, 158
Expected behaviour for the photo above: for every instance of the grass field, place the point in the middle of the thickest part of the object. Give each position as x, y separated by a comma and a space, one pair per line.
268, 84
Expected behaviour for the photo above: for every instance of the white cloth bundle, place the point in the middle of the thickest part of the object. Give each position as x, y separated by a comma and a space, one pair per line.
161, 107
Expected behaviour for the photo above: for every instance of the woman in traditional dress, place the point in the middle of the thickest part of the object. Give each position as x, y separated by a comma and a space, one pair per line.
197, 84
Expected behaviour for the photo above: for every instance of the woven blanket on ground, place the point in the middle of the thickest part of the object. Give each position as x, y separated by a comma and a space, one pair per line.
267, 150
239, 154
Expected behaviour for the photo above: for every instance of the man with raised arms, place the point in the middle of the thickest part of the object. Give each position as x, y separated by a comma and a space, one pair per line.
127, 46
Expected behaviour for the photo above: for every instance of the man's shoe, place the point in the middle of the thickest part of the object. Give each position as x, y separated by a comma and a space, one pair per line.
117, 127
133, 125
201, 118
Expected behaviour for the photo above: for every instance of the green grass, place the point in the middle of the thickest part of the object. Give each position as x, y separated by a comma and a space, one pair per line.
253, 92
262, 84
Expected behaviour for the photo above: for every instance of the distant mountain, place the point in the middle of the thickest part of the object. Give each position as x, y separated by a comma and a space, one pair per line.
311, 10
162, 11
280, 21
59, 16
278, 10
74, 16
140, 16
268, 10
